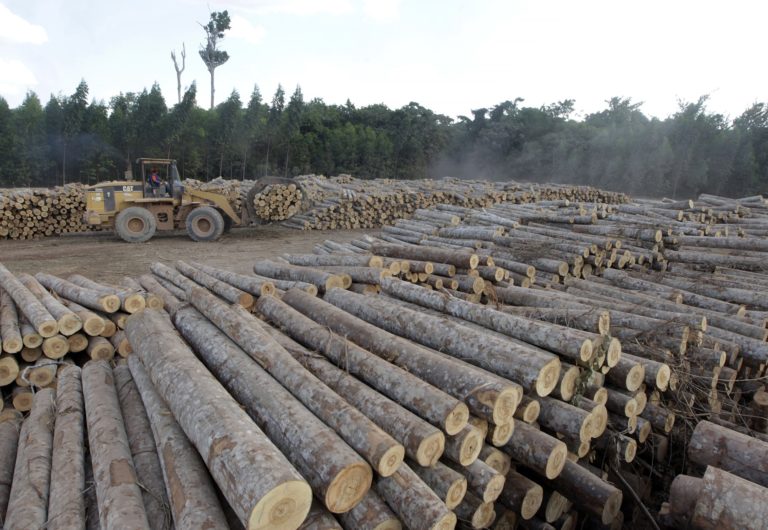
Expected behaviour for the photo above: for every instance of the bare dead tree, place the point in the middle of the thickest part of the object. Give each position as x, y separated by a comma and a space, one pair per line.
179, 70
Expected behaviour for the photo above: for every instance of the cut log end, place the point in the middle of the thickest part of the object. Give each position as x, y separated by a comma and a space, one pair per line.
662, 377
48, 328
548, 377
556, 461
283, 508
604, 323
430, 449
630, 450
109, 303
600, 396
134, 303
474, 261
69, 324
457, 419
13, 345
348, 488
471, 446
506, 404
93, 325
55, 347
586, 351
614, 353
500, 434
391, 460
447, 522
531, 502
611, 507
456, 493
635, 377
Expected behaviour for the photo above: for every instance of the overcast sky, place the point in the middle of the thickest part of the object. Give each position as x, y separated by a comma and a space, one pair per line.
449, 55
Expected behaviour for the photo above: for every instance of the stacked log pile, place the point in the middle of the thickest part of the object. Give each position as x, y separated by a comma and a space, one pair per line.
278, 202
32, 213
416, 380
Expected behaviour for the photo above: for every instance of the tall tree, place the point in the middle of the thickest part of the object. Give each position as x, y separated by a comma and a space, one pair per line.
74, 114
273, 120
210, 53
179, 69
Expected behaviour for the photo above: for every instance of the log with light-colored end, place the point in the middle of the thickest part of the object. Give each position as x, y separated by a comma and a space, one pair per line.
476, 513
9, 369
499, 435
28, 304
522, 495
99, 348
10, 335
55, 347
627, 374
537, 450
93, 324
22, 398
498, 460
42, 373
464, 447
10, 425
414, 502
77, 342
371, 513
737, 453
109, 303
529, 409
482, 479
449, 484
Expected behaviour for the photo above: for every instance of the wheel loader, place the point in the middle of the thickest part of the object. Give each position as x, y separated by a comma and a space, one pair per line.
136, 209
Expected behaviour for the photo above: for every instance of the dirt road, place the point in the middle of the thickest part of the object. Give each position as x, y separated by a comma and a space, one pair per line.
104, 257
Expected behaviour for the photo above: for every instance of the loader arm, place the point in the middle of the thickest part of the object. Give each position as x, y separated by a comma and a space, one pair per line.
219, 201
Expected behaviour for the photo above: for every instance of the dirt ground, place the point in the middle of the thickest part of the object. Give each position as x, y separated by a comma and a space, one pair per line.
104, 257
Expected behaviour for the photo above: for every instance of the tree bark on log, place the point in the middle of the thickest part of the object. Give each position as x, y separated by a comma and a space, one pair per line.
371, 513
564, 418
9, 441
532, 370
143, 450
131, 284
334, 260
28, 501
537, 450
495, 458
320, 518
475, 513
89, 298
170, 302
482, 480
66, 507
256, 479
463, 260
192, 495
483, 392
28, 304
521, 494
130, 302
117, 488
10, 335
737, 453
464, 447
572, 344
447, 483
284, 271
249, 284
229, 293
9, 369
415, 504
93, 324
69, 323
338, 476
728, 501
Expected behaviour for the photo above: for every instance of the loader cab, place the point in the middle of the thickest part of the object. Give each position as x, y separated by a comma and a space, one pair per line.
166, 172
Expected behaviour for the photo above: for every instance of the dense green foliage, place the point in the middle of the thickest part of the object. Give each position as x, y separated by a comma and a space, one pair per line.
73, 139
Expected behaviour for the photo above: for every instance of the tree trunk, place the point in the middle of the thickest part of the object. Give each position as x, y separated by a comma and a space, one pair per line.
463, 260
193, 499
120, 501
130, 302
731, 451
172, 275
9, 440
284, 271
254, 476
89, 298
28, 304
430, 403
143, 450
93, 324
28, 502
170, 302
220, 288
474, 512
69, 323
338, 476
415, 504
371, 513
533, 370
728, 501
66, 507
464, 447
521, 494
537, 450
10, 335
482, 480
370, 441
211, 70
249, 284
487, 395
449, 484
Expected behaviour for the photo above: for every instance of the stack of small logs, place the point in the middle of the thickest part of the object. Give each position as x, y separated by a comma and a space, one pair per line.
46, 321
31, 213
278, 202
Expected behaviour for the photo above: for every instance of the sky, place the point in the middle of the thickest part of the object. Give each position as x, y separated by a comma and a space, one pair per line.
451, 56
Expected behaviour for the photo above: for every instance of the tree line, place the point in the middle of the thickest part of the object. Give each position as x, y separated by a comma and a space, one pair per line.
74, 138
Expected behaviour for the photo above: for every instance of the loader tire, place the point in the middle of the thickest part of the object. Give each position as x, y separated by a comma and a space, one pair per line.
205, 224
135, 225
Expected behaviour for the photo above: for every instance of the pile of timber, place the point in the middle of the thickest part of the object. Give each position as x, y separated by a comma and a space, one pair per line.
278, 202
233, 190
32, 212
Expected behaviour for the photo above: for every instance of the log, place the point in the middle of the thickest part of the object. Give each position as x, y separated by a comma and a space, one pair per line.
130, 302
463, 260
93, 324
9, 369
55, 347
28, 304
29, 337
489, 395
152, 300
142, 446
449, 484
66, 507
338, 476
532, 370
522, 495
728, 501
22, 398
742, 455
572, 344
378, 448
222, 289
464, 447
193, 500
10, 335
417, 506
482, 479
69, 323
89, 298
9, 439
319, 519
338, 260
117, 488
495, 458
249, 284
371, 513
474, 512
237, 451
170, 302
99, 348
537, 450
284, 271
564, 418
28, 501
